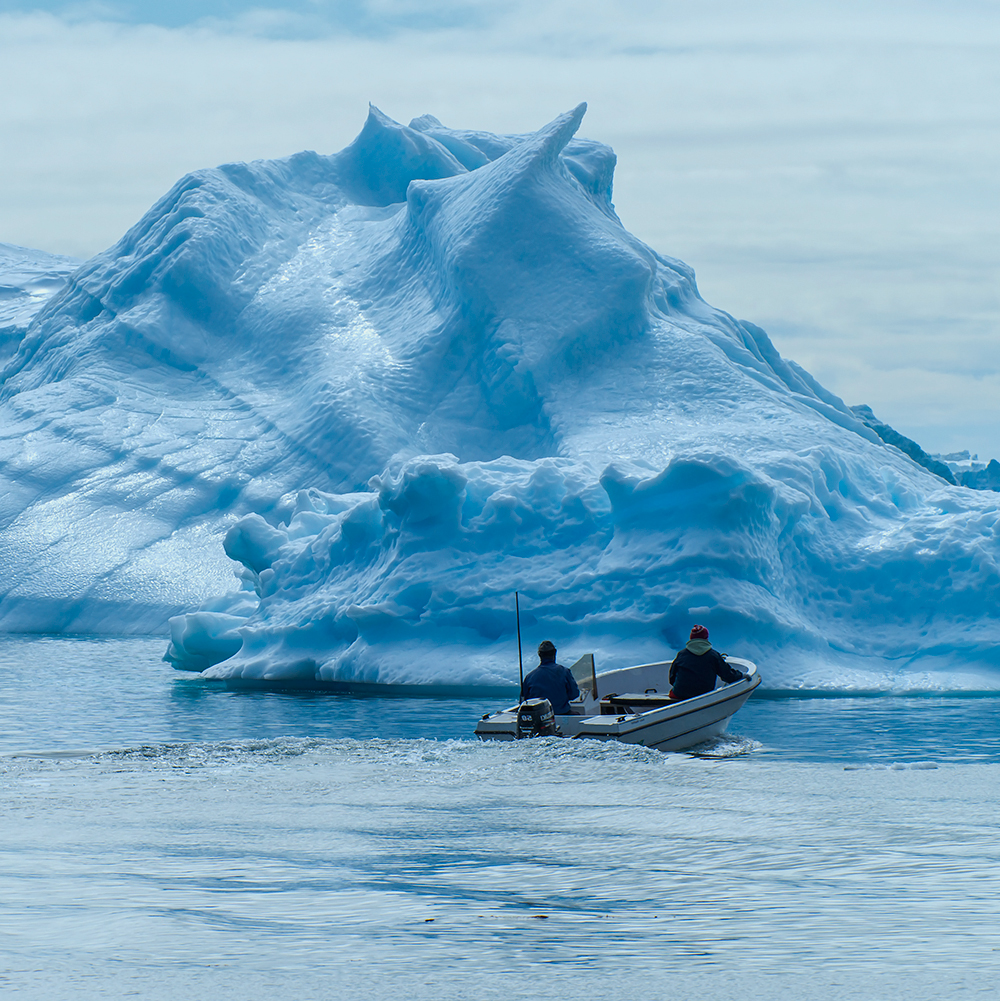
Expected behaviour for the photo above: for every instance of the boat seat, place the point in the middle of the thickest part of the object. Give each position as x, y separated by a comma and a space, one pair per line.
614, 703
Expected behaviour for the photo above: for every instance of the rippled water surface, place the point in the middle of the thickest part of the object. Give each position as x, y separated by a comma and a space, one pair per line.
165, 839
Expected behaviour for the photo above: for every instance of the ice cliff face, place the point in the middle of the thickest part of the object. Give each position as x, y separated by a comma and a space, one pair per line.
415, 375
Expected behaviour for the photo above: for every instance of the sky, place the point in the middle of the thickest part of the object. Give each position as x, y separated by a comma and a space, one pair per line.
830, 168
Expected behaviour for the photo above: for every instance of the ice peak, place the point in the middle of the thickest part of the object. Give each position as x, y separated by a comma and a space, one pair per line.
379, 165
553, 138
530, 256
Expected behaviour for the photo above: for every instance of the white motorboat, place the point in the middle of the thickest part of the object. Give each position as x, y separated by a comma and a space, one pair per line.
631, 705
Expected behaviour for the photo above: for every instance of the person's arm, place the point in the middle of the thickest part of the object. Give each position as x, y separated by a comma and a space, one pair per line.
724, 671
572, 688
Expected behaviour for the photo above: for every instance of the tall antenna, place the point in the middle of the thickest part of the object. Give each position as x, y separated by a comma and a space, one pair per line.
520, 662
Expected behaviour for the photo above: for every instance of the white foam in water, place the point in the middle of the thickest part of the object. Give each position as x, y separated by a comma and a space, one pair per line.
729, 745
402, 381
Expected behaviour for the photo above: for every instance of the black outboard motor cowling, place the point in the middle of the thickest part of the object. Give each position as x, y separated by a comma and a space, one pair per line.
536, 719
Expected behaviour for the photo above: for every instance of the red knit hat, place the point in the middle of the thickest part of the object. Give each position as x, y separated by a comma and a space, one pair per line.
699, 633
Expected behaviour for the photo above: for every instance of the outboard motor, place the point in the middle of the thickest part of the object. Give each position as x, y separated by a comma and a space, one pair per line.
536, 719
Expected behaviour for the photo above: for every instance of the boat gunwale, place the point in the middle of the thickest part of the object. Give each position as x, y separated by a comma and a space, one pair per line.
685, 703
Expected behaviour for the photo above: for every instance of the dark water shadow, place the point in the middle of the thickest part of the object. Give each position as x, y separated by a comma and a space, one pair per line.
225, 710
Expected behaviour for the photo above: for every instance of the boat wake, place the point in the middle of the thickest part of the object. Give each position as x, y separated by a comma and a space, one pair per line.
727, 746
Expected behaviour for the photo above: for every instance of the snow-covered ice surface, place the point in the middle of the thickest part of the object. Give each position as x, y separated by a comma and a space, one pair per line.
434, 368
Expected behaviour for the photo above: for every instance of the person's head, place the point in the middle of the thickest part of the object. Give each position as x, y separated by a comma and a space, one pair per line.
547, 652
699, 633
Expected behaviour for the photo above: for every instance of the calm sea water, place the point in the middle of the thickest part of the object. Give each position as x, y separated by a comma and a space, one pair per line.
163, 838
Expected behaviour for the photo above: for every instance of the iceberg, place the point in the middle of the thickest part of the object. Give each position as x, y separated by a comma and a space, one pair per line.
28, 278
402, 381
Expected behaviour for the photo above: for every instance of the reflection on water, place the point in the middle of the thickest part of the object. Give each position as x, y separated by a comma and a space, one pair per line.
958, 729
357, 866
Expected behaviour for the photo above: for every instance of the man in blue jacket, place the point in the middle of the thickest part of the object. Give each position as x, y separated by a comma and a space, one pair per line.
696, 667
550, 681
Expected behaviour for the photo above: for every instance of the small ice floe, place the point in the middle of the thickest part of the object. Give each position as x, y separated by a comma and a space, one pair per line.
896, 766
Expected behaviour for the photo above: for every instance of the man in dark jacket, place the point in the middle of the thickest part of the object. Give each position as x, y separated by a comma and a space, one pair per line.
550, 681
696, 667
